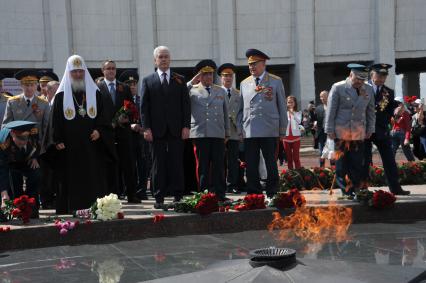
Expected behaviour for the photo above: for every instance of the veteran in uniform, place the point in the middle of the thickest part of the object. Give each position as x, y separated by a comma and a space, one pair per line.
3, 99
262, 119
209, 128
385, 105
27, 106
226, 72
45, 78
350, 119
18, 147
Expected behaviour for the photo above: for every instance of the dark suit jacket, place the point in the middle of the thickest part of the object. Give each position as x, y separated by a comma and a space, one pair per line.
320, 118
383, 118
161, 111
122, 92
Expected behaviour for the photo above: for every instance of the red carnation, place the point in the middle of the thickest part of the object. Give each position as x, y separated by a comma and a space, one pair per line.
382, 199
322, 175
307, 178
378, 171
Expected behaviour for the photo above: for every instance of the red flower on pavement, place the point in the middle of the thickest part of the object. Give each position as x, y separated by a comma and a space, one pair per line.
158, 217
290, 199
378, 171
322, 175
207, 204
382, 199
5, 229
307, 178
120, 215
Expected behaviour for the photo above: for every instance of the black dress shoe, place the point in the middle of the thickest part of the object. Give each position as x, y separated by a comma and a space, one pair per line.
133, 200
142, 195
401, 192
158, 205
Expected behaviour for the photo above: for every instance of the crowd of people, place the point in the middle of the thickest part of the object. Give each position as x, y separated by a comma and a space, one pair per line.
74, 140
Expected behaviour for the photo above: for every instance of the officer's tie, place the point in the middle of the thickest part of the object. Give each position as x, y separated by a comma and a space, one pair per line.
229, 93
112, 92
377, 91
28, 102
257, 81
208, 89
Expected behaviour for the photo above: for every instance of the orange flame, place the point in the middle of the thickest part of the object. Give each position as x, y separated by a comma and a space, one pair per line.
317, 225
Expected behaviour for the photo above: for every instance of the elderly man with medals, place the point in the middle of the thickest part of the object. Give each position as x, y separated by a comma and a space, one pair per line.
77, 123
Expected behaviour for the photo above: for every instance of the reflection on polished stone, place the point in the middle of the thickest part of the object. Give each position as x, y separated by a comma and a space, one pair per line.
136, 261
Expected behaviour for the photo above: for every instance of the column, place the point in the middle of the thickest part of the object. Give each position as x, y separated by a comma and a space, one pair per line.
226, 31
302, 74
61, 32
145, 36
384, 39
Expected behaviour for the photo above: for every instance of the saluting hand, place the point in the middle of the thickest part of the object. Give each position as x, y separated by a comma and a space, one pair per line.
196, 79
94, 135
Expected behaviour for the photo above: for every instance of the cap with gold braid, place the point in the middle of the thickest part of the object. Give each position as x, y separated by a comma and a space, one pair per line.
47, 76
205, 66
226, 69
360, 71
254, 55
27, 76
129, 76
381, 68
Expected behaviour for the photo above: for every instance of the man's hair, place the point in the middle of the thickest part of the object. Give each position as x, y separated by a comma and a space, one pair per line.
160, 48
52, 84
107, 61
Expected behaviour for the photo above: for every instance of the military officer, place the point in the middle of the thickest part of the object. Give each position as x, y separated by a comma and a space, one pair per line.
3, 99
262, 119
27, 106
17, 148
141, 146
45, 78
209, 128
385, 105
226, 72
350, 119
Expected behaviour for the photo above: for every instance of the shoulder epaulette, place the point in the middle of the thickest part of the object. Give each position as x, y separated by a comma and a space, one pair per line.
4, 145
275, 76
217, 86
236, 90
15, 97
42, 98
246, 79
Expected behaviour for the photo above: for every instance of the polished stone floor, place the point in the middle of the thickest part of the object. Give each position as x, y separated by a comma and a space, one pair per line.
136, 261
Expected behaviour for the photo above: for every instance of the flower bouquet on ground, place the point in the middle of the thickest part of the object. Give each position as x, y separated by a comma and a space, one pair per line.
377, 199
128, 113
301, 178
21, 207
203, 203
106, 208
324, 177
250, 202
291, 199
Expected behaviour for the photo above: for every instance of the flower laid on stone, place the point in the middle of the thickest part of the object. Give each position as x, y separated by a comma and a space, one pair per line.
21, 207
65, 225
158, 217
291, 199
106, 208
202, 203
250, 202
377, 199
5, 229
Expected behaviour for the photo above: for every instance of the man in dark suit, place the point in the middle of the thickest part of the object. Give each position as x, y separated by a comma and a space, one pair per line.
115, 94
385, 105
319, 120
166, 116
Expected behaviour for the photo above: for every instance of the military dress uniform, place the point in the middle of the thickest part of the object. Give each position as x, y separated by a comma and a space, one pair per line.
209, 128
262, 119
385, 105
350, 116
232, 145
20, 107
15, 161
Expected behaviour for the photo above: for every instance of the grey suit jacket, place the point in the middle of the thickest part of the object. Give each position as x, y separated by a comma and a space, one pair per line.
38, 111
3, 102
348, 115
209, 112
233, 107
262, 113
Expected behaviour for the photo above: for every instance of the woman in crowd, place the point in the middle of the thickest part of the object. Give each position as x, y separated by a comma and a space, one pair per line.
401, 131
293, 133
419, 130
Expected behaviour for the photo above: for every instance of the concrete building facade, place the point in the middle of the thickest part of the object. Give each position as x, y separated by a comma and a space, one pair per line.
309, 41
